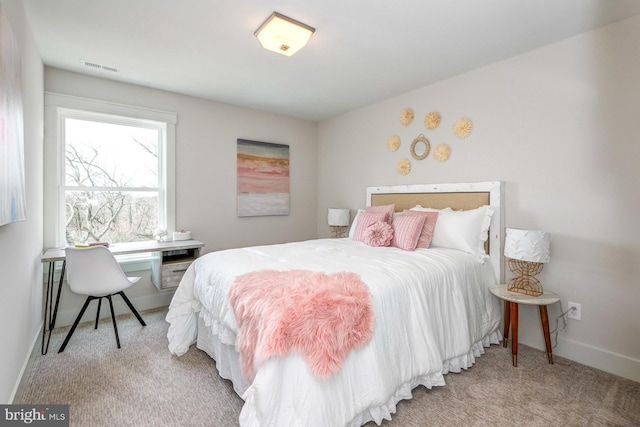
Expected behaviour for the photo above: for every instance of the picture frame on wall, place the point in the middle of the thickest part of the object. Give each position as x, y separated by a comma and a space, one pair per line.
263, 178
12, 184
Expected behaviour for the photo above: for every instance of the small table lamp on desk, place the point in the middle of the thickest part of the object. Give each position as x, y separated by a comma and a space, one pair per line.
338, 219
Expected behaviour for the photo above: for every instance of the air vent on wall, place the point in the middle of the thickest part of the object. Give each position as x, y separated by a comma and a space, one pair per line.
95, 65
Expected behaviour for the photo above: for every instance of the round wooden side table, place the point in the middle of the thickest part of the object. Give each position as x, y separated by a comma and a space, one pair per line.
511, 301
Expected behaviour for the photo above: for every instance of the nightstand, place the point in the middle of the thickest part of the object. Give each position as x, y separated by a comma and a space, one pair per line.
511, 301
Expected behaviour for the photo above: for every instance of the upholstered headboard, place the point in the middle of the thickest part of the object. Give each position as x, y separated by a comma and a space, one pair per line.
458, 196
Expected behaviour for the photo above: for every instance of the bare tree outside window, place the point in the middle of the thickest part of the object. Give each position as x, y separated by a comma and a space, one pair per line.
112, 190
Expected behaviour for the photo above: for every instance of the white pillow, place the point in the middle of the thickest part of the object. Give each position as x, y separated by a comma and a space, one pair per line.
463, 230
420, 208
352, 230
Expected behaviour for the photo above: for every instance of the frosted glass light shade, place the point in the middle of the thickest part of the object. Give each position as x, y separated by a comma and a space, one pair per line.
283, 35
527, 245
338, 217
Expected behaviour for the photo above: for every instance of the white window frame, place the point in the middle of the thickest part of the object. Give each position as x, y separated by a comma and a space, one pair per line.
58, 107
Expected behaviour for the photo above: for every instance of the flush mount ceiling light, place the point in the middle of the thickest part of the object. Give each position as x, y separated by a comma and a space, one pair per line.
282, 34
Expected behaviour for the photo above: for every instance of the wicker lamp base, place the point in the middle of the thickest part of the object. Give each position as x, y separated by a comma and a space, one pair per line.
338, 231
525, 282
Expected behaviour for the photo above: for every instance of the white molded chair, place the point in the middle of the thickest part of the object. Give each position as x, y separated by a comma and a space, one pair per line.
95, 272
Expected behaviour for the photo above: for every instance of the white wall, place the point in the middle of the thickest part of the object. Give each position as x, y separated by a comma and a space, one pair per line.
206, 135
21, 242
558, 125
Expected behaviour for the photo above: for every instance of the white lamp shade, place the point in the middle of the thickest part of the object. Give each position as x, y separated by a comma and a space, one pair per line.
527, 245
283, 35
338, 217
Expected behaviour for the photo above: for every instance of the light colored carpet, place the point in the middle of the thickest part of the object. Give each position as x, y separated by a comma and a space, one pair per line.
143, 385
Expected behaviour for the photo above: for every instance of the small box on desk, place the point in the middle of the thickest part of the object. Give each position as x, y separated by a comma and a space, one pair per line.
181, 235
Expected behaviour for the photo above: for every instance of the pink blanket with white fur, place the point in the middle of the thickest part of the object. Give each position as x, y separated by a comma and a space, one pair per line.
324, 316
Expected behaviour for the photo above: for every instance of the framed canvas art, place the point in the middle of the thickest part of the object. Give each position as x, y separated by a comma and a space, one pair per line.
263, 178
12, 189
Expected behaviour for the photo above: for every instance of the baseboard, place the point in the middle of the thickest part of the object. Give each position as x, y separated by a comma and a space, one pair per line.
23, 377
585, 354
141, 303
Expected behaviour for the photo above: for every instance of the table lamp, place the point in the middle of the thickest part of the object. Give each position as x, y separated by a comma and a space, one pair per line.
527, 250
338, 219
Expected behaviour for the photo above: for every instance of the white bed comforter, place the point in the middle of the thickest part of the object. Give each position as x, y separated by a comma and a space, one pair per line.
433, 314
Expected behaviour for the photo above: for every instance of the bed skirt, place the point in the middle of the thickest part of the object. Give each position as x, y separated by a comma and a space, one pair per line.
226, 357
228, 365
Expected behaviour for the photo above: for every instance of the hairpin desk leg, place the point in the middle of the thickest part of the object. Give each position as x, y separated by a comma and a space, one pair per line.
51, 311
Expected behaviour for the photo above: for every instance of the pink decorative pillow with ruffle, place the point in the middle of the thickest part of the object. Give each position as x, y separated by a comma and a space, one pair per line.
378, 234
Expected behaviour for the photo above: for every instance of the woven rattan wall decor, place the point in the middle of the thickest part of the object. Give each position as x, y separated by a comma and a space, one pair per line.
406, 116
432, 120
393, 143
420, 147
404, 166
462, 128
442, 153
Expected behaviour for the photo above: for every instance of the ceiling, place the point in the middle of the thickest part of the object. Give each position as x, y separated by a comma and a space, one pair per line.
363, 51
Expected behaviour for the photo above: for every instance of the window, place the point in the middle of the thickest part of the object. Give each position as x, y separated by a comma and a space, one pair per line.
114, 172
112, 178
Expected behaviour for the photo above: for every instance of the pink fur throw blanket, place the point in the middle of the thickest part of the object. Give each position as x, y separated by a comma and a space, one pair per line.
323, 316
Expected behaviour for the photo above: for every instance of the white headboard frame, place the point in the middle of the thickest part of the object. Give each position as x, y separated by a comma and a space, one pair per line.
495, 189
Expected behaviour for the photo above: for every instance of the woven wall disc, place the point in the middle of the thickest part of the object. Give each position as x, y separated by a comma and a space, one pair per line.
432, 120
404, 166
406, 116
393, 143
462, 127
442, 153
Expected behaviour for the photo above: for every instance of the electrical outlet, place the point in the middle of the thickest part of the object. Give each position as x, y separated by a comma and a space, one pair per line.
575, 311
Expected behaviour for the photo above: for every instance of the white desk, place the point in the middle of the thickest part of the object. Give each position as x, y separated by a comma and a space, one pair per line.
53, 255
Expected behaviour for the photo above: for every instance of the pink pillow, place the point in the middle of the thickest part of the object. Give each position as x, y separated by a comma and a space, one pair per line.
385, 209
427, 230
407, 230
365, 219
378, 234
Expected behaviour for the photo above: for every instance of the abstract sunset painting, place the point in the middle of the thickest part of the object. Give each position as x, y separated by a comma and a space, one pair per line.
263, 178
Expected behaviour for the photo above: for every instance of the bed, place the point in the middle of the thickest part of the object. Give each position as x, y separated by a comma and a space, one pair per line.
431, 312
